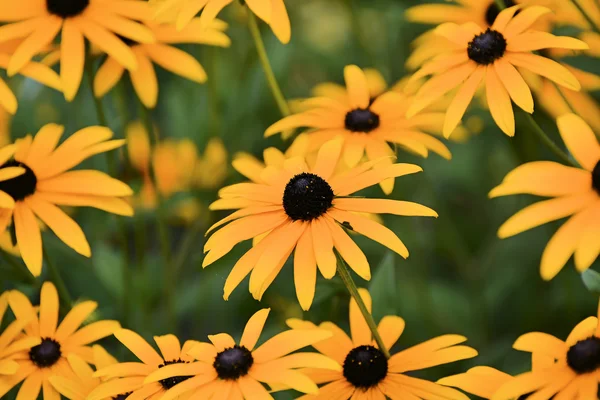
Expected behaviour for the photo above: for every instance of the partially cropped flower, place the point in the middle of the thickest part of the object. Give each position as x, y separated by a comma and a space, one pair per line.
229, 370
367, 373
56, 342
576, 193
273, 12
163, 53
102, 22
212, 166
47, 182
306, 210
367, 124
490, 55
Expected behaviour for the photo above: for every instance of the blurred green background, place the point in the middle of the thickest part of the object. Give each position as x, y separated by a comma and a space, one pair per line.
460, 278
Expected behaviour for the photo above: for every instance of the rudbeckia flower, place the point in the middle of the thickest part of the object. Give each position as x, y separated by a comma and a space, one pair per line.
273, 12
228, 370
490, 55
102, 22
47, 182
367, 373
305, 209
365, 124
161, 52
49, 357
576, 193
573, 370
128, 378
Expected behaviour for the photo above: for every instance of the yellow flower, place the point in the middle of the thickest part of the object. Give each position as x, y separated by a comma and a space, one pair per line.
480, 381
491, 55
273, 12
161, 52
49, 358
102, 22
229, 370
211, 168
47, 182
367, 374
306, 209
365, 123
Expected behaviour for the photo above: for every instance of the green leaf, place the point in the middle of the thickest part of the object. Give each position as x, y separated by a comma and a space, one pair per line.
108, 266
383, 287
591, 280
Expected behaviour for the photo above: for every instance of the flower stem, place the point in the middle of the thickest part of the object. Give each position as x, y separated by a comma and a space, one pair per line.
344, 273
593, 26
63, 293
264, 60
500, 4
547, 141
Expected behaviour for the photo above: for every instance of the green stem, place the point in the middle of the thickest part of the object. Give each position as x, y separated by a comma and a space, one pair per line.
344, 273
18, 268
500, 4
547, 141
589, 20
264, 60
63, 293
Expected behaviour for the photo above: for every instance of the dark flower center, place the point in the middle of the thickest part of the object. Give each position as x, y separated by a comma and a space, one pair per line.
122, 396
487, 47
365, 366
45, 354
361, 120
596, 178
66, 8
20, 186
584, 356
168, 383
306, 197
492, 11
233, 362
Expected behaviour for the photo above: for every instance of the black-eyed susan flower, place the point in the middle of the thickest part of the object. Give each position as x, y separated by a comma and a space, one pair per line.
102, 22
575, 192
127, 378
480, 381
57, 341
273, 12
492, 56
571, 370
367, 373
163, 53
47, 183
366, 124
228, 370
306, 210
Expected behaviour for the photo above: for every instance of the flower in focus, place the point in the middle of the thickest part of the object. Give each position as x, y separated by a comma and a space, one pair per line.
128, 377
491, 55
49, 357
272, 12
47, 183
576, 193
161, 52
479, 381
367, 373
366, 124
102, 22
571, 369
305, 209
229, 370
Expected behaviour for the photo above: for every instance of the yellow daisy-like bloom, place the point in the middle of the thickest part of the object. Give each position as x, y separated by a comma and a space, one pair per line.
367, 374
576, 192
230, 371
306, 209
273, 12
47, 183
366, 124
161, 52
49, 358
491, 55
102, 22
480, 381
572, 370
212, 166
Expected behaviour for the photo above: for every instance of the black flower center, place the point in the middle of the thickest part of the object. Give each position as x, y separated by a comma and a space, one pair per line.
306, 197
487, 47
361, 120
122, 396
45, 354
492, 11
584, 356
596, 178
66, 8
168, 383
365, 366
233, 362
20, 186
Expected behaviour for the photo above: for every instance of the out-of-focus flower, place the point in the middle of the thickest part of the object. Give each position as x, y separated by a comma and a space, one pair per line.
211, 168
